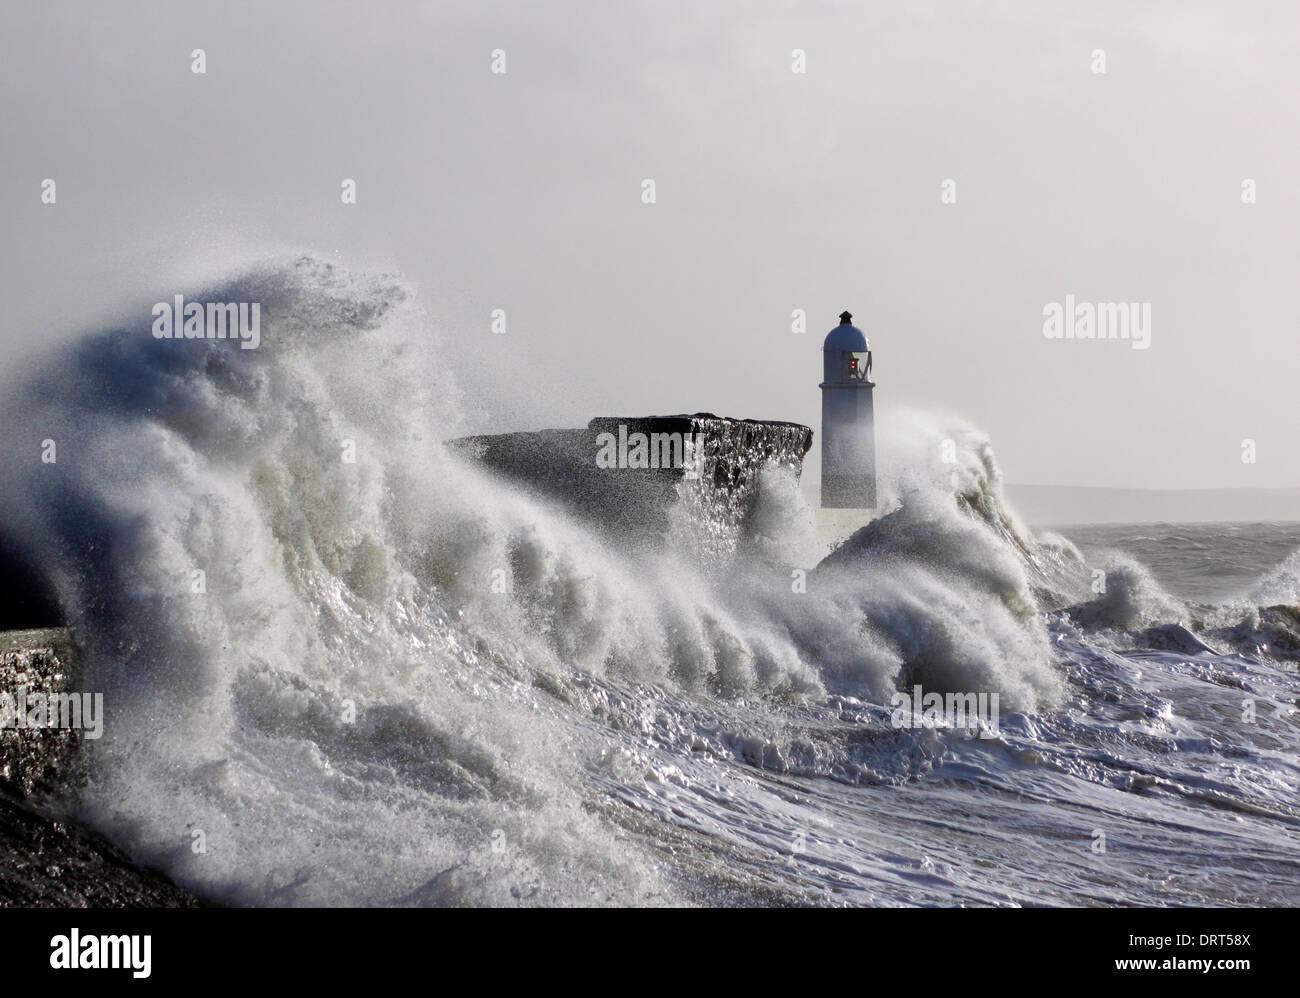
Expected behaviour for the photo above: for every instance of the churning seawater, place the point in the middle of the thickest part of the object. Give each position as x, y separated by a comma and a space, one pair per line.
351, 712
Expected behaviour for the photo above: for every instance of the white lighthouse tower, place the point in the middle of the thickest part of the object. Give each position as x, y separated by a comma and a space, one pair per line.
848, 420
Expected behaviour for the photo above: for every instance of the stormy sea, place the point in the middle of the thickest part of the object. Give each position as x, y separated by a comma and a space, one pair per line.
342, 663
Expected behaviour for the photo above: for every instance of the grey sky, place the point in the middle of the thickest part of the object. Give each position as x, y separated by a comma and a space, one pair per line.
776, 191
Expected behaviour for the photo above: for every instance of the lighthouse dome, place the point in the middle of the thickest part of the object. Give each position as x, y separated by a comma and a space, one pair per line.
846, 336
846, 354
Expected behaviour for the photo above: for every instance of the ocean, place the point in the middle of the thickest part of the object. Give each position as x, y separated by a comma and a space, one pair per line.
342, 664
1200, 562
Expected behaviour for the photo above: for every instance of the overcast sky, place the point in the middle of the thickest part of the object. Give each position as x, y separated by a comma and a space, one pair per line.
776, 191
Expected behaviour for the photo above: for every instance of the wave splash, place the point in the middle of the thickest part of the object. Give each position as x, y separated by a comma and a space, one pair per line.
343, 664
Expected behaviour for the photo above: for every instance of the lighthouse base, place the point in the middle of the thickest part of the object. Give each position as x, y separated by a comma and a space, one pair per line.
848, 492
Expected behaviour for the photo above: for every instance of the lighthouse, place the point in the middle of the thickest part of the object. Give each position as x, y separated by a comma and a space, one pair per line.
848, 420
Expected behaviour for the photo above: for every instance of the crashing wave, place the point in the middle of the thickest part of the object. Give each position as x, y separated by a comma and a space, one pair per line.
308, 616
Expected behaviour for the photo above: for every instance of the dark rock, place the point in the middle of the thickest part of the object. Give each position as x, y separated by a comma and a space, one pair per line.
634, 503
27, 598
45, 859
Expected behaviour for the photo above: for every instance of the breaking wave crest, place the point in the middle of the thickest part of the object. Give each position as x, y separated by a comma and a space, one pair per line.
358, 668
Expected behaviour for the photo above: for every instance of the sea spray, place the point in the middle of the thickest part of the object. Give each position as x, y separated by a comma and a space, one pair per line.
405, 682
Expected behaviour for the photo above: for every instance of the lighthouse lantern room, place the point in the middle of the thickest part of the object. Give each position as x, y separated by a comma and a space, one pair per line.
848, 419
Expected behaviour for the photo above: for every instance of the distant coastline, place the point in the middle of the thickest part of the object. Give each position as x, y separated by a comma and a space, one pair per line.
1058, 505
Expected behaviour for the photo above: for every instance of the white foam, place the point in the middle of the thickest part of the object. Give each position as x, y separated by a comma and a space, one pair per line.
466, 777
